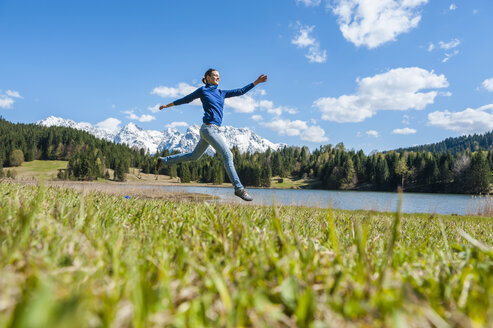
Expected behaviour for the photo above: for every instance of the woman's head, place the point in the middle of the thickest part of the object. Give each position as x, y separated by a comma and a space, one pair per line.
211, 76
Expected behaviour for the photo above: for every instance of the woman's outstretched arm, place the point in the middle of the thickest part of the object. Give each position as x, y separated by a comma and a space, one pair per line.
238, 92
185, 100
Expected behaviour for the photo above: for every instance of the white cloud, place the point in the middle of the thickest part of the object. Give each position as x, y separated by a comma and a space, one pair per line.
257, 117
6, 102
287, 127
467, 121
111, 124
397, 89
373, 133
248, 104
142, 118
375, 22
309, 3
13, 94
259, 91
404, 131
488, 84
454, 43
312, 133
146, 118
449, 45
453, 6
449, 55
304, 40
243, 104
268, 106
154, 109
315, 55
173, 125
183, 89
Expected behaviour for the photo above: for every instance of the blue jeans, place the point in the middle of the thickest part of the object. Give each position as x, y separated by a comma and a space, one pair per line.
209, 135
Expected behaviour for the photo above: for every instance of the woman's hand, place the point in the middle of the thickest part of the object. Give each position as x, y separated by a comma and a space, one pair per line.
261, 79
166, 106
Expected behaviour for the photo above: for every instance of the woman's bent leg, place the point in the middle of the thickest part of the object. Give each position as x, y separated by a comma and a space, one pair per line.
193, 156
211, 134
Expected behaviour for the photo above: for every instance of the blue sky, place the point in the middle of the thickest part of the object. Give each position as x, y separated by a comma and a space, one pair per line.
373, 74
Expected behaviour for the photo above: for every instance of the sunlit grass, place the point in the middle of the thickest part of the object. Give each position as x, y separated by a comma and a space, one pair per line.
95, 260
42, 170
289, 183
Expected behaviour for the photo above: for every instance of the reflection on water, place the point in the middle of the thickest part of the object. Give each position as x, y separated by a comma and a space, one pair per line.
350, 200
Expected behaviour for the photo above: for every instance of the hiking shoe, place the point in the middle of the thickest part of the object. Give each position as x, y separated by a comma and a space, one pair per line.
243, 195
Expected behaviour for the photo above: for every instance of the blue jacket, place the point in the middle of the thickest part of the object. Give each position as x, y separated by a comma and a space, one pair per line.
212, 100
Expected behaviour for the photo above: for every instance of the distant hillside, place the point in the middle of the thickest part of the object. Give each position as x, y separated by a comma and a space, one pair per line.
88, 156
456, 145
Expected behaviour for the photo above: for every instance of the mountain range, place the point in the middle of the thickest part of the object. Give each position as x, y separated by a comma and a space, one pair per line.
172, 139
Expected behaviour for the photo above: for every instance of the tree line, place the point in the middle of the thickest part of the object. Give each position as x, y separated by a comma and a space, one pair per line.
334, 167
475, 142
328, 167
89, 157
253, 169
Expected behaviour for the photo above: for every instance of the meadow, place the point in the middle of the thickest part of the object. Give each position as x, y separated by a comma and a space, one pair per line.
72, 258
39, 170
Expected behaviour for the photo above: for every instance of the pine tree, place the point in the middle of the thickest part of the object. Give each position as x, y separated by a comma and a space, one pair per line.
348, 173
119, 174
265, 176
276, 164
382, 173
217, 174
478, 177
172, 171
184, 173
256, 172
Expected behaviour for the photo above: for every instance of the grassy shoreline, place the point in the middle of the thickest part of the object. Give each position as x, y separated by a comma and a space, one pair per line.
79, 259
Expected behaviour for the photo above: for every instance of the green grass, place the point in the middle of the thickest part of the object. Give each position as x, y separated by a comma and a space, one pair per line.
41, 170
94, 260
290, 183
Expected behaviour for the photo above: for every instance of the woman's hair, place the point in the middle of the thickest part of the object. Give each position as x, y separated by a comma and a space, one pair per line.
207, 73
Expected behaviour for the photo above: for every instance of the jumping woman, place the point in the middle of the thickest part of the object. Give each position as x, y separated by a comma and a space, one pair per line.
213, 102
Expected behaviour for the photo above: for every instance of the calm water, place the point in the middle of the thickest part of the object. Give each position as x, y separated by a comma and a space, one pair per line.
350, 200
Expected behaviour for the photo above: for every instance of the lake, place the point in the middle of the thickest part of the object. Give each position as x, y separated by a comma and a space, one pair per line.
349, 200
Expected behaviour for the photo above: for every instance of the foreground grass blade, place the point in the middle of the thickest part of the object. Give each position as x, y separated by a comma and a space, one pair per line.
97, 260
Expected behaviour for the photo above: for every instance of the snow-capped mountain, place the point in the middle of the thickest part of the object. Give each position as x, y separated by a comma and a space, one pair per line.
245, 139
88, 127
135, 136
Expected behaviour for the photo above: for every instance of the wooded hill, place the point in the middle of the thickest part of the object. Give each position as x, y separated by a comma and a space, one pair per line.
328, 167
456, 145
88, 156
